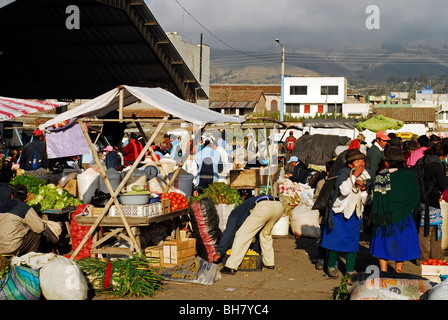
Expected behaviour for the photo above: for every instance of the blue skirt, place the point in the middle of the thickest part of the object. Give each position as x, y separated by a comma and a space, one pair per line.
345, 235
402, 245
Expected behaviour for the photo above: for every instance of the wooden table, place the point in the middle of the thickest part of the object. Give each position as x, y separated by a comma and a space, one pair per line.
118, 230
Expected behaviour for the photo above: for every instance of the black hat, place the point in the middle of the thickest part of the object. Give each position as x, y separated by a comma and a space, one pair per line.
354, 154
394, 153
412, 145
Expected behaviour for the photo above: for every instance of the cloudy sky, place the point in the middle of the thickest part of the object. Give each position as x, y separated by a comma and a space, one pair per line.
323, 24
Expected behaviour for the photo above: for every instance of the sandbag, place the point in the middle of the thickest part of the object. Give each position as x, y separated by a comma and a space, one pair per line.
205, 225
21, 283
305, 221
62, 279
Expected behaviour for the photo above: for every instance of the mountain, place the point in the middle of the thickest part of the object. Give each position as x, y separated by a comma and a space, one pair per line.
372, 64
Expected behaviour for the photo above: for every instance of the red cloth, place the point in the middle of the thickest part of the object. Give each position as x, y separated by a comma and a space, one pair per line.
354, 144
445, 195
131, 151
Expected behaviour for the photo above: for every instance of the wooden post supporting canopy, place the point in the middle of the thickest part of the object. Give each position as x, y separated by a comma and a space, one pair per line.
114, 194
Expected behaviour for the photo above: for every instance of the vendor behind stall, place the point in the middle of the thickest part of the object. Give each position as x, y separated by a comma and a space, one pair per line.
132, 150
209, 164
21, 228
295, 170
112, 159
34, 154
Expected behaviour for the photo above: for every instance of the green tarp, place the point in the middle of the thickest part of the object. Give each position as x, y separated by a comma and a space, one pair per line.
379, 123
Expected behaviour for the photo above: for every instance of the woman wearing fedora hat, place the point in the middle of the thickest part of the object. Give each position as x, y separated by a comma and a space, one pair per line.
343, 217
395, 205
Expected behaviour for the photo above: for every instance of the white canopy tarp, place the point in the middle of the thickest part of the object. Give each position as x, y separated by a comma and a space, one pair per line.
155, 97
11, 108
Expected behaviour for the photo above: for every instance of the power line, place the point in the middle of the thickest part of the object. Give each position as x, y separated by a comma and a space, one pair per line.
212, 34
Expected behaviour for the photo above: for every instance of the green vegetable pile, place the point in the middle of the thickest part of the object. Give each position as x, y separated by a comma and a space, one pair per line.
219, 193
137, 190
134, 277
50, 197
30, 182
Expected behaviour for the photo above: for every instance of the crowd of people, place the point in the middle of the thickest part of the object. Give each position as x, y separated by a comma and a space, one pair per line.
392, 192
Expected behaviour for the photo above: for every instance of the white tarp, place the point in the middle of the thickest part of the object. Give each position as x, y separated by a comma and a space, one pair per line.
11, 108
155, 97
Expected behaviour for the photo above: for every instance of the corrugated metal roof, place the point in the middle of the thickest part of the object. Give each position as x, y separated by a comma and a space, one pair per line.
232, 105
408, 115
119, 42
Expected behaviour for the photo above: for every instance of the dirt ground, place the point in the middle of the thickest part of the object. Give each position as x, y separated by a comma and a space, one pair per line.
294, 277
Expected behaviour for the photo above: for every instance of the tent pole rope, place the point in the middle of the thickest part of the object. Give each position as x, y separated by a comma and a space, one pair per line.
116, 192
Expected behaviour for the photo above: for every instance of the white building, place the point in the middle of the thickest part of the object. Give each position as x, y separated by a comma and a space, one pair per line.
311, 96
197, 58
428, 99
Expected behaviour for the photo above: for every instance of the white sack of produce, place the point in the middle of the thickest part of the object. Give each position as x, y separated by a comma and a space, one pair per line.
305, 221
389, 289
88, 182
439, 291
62, 279
34, 260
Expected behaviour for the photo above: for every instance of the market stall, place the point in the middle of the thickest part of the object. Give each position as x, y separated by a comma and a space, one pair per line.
117, 99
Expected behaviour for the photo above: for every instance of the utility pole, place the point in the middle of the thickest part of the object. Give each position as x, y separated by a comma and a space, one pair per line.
282, 102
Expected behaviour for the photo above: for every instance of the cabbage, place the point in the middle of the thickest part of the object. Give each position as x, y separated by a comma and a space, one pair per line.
51, 197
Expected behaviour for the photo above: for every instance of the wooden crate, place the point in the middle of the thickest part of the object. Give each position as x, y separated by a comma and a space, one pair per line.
432, 273
177, 251
249, 263
154, 255
96, 211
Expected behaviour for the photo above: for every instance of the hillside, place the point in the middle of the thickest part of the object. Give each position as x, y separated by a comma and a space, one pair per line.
373, 65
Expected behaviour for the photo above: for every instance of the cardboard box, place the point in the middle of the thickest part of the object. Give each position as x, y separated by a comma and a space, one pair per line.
432, 273
252, 178
177, 251
72, 187
166, 207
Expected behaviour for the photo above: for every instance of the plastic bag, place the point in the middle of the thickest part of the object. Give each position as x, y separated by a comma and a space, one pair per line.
21, 283
195, 270
62, 279
439, 291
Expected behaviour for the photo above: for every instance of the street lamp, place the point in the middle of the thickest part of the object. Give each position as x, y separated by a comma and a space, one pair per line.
282, 102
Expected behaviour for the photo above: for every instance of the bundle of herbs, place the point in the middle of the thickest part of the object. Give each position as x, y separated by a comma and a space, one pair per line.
219, 193
132, 277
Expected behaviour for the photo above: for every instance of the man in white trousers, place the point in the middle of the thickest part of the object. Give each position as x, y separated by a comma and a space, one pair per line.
263, 217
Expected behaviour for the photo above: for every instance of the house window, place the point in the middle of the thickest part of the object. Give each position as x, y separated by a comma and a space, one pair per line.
292, 107
332, 107
274, 105
332, 90
298, 90
307, 109
320, 109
